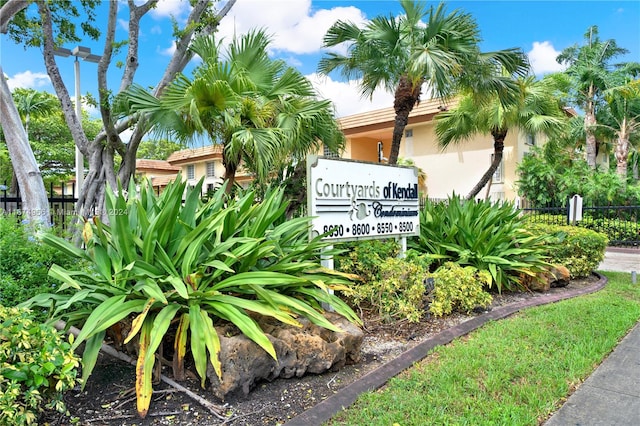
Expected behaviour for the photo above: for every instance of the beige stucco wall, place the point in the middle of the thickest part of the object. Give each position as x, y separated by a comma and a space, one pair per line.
459, 167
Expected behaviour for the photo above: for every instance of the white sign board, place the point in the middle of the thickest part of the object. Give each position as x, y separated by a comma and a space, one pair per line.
352, 200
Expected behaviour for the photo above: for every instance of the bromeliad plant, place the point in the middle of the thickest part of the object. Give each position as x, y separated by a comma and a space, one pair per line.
490, 237
164, 261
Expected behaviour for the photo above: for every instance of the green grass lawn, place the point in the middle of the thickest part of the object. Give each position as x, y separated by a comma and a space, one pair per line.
516, 371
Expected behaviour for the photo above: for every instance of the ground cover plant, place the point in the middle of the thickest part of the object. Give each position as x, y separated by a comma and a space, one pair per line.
397, 292
459, 288
162, 260
37, 366
514, 371
488, 236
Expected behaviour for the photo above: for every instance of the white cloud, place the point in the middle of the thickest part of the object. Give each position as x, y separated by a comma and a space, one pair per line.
29, 80
171, 8
543, 58
169, 50
294, 26
346, 96
123, 24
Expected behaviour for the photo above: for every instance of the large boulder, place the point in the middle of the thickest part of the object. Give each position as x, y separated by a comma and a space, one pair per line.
555, 276
300, 350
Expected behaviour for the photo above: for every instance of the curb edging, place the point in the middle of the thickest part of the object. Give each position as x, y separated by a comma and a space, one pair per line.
326, 409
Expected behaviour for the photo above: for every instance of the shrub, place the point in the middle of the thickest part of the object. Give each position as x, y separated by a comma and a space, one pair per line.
579, 250
617, 223
364, 258
490, 237
550, 176
36, 367
25, 263
459, 288
618, 231
399, 291
163, 260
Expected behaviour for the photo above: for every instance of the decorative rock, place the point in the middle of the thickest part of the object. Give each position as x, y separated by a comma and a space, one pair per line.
555, 276
300, 350
561, 276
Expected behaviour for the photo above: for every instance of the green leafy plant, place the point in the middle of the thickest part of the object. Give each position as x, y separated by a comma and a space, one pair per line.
364, 258
399, 291
25, 263
580, 250
490, 237
549, 178
164, 260
36, 367
458, 288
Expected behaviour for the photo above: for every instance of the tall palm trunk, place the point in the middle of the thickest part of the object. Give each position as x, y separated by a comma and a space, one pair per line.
589, 126
406, 97
230, 168
622, 152
499, 135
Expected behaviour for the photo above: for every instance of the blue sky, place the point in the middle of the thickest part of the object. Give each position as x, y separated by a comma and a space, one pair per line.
540, 28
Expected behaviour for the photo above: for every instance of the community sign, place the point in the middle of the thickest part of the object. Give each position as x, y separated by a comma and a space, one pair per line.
352, 200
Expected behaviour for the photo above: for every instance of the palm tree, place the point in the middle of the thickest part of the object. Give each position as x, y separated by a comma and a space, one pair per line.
589, 67
535, 112
421, 46
622, 115
31, 103
262, 111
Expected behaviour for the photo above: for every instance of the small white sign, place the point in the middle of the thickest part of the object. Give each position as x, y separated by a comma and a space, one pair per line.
575, 209
352, 200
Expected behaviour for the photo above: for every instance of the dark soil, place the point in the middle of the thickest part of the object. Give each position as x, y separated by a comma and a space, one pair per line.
109, 396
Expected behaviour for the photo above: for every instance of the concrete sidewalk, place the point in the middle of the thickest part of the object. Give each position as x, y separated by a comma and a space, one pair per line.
621, 260
611, 395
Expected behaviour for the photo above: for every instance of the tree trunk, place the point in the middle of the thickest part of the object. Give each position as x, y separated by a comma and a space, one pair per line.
499, 136
102, 172
589, 128
35, 204
230, 169
622, 153
406, 97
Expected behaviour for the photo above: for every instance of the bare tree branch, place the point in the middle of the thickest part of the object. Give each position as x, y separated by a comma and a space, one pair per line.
9, 10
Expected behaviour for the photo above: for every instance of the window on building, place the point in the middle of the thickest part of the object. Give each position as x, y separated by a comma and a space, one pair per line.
211, 170
531, 140
497, 175
191, 171
210, 188
408, 133
329, 153
497, 196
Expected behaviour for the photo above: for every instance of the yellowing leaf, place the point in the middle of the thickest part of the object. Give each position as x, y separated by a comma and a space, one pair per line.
87, 232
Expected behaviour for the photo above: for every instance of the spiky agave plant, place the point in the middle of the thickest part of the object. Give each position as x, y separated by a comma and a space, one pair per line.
162, 260
488, 236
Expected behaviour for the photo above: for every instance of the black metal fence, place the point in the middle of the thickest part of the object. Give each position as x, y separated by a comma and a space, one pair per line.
61, 204
618, 222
